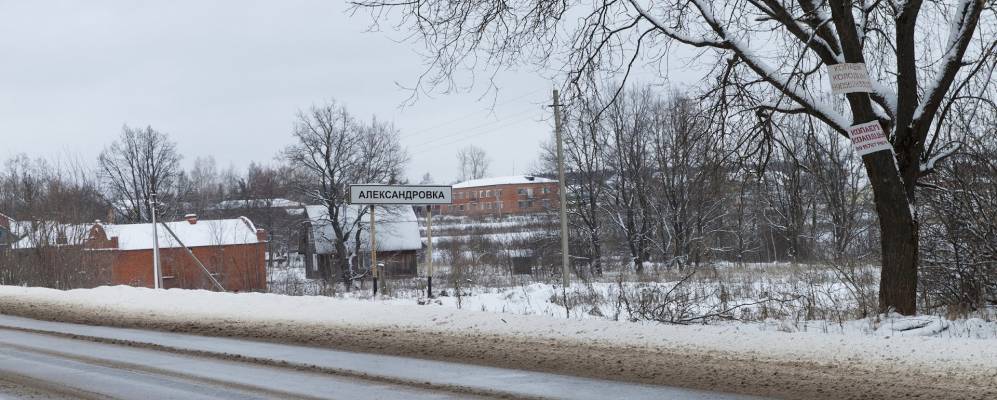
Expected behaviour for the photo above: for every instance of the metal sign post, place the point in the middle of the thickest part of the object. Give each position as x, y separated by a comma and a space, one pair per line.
373, 250
371, 194
429, 251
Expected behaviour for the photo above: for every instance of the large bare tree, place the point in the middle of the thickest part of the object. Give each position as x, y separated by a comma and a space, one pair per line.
473, 162
335, 150
141, 162
768, 55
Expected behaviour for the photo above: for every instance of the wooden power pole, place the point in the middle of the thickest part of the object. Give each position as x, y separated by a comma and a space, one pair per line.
562, 194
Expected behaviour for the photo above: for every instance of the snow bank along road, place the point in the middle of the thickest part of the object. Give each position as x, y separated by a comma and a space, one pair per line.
68, 360
737, 358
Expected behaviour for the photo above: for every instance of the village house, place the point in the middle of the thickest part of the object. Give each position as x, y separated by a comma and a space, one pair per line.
7, 235
231, 249
396, 234
506, 195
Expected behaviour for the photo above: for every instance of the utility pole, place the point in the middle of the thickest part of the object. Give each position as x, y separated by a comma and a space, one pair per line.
562, 194
429, 251
157, 275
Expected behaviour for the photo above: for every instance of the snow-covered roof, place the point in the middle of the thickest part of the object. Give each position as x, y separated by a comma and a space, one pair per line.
48, 233
397, 228
218, 232
257, 203
502, 180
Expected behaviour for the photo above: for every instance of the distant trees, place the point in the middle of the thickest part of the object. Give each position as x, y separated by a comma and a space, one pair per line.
654, 181
142, 162
472, 162
36, 189
334, 149
47, 200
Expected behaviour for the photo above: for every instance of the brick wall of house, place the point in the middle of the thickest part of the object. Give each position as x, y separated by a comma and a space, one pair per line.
505, 199
236, 267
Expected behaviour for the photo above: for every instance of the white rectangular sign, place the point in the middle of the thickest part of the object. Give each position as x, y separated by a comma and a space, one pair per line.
400, 194
849, 78
869, 138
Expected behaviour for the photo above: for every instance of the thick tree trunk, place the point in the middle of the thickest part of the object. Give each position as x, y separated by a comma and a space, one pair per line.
344, 266
898, 235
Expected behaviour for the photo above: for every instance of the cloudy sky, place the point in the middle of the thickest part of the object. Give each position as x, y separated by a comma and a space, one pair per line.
225, 79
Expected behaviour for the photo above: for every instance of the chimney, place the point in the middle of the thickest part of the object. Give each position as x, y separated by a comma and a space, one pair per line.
261, 235
191, 218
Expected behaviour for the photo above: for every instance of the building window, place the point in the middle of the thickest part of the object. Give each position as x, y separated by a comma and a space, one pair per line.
525, 203
546, 190
546, 204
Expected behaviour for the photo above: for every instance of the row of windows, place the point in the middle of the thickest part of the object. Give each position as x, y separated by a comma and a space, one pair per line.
478, 194
497, 193
495, 206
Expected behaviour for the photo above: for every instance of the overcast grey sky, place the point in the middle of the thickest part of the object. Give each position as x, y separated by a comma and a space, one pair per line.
225, 78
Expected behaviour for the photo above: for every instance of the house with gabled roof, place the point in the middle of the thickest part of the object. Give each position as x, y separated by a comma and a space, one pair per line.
396, 232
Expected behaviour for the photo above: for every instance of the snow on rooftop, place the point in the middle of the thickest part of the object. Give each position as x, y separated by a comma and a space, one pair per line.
257, 203
502, 180
219, 232
47, 233
397, 228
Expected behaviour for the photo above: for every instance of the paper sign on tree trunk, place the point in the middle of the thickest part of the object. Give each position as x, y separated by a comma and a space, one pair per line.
849, 78
869, 138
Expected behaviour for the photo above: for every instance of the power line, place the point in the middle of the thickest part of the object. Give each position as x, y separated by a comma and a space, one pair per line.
496, 129
468, 115
475, 128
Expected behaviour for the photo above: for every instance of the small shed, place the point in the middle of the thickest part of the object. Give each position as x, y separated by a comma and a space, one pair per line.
397, 237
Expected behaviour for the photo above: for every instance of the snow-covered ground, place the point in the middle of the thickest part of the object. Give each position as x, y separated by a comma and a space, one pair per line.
882, 358
773, 302
965, 343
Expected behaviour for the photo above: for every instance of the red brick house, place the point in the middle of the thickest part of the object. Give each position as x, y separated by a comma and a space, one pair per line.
506, 195
232, 249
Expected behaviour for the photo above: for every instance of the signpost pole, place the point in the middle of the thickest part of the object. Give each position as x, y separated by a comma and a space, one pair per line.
429, 251
373, 250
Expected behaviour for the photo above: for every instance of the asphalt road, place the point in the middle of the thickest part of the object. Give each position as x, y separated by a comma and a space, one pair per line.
40, 359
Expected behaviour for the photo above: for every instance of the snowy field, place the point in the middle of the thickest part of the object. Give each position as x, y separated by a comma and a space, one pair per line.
762, 297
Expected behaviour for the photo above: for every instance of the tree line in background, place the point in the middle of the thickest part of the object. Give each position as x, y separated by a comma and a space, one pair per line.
655, 183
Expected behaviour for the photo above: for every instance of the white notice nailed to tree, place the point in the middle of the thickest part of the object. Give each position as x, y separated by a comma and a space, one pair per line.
868, 138
849, 78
